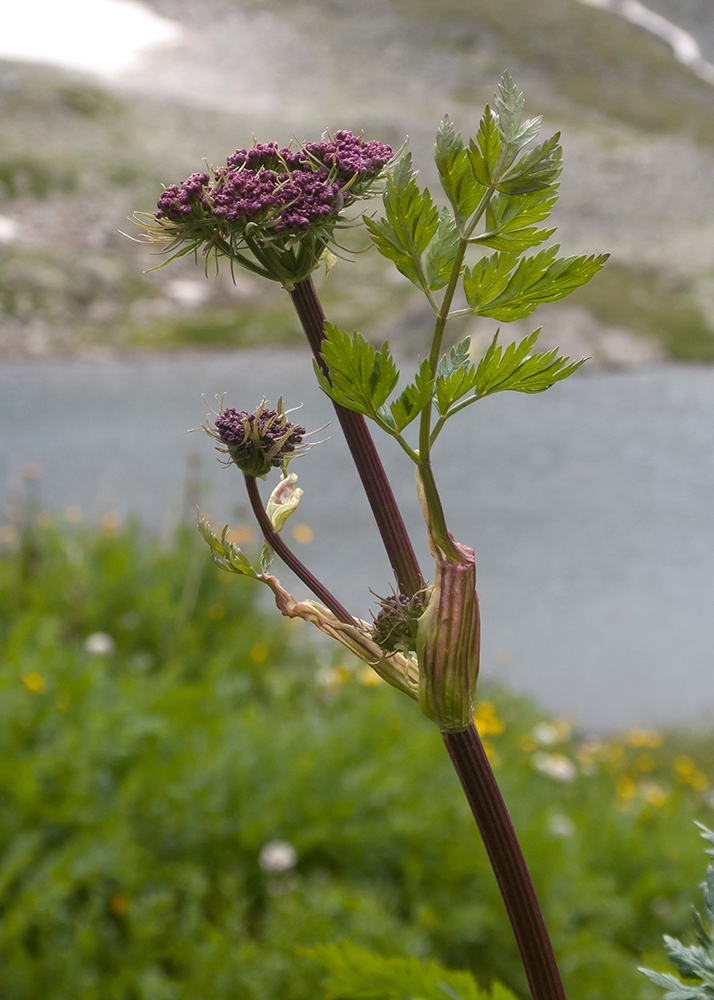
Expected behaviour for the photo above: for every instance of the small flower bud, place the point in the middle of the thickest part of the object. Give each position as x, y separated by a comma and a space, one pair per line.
257, 442
283, 501
448, 643
395, 626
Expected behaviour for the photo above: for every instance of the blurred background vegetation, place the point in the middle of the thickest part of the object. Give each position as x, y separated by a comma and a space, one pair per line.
79, 155
191, 791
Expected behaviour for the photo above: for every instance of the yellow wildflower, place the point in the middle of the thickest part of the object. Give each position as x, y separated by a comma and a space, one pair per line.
303, 534
259, 653
368, 677
34, 682
626, 788
487, 722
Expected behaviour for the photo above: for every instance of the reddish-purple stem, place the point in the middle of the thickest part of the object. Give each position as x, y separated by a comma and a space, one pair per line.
478, 782
289, 558
366, 458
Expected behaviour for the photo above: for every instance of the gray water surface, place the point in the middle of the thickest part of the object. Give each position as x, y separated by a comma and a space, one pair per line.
590, 507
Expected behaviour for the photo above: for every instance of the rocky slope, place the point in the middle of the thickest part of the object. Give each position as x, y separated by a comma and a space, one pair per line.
77, 156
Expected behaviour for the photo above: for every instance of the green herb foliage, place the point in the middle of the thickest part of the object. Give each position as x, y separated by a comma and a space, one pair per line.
494, 183
137, 790
695, 962
357, 974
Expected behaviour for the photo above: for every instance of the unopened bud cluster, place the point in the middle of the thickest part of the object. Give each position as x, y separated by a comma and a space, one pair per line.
279, 189
395, 626
260, 441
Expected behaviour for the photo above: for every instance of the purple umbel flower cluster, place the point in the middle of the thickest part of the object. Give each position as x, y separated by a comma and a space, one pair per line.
180, 200
285, 190
291, 200
258, 441
351, 155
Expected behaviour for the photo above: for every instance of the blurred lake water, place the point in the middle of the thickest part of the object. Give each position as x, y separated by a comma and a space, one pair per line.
590, 507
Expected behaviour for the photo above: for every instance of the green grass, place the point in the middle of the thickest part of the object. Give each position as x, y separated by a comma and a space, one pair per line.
138, 788
64, 288
651, 305
89, 102
589, 58
221, 328
29, 175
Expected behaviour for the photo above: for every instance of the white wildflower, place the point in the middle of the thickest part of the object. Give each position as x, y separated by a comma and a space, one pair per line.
277, 856
555, 766
99, 644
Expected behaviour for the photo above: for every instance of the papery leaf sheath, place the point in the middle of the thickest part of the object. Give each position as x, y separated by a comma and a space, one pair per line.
448, 643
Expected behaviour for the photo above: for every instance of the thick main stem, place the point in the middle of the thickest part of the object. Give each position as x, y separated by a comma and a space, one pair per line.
364, 453
509, 866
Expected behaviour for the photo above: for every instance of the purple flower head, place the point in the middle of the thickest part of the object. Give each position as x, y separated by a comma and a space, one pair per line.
285, 201
273, 210
267, 156
282, 190
259, 441
354, 159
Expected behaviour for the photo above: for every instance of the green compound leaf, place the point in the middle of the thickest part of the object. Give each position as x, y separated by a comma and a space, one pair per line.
517, 369
693, 962
458, 357
525, 198
509, 107
491, 289
455, 172
515, 218
411, 223
514, 135
509, 213
708, 836
485, 151
224, 553
487, 279
362, 378
676, 990
358, 974
442, 252
703, 936
452, 387
413, 399
536, 170
266, 558
515, 242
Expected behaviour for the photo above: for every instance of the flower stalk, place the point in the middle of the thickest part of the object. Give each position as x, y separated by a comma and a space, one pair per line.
288, 556
380, 496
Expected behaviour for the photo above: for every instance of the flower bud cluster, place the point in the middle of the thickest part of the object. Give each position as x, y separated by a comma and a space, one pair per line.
260, 441
354, 159
181, 200
283, 190
395, 626
286, 201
